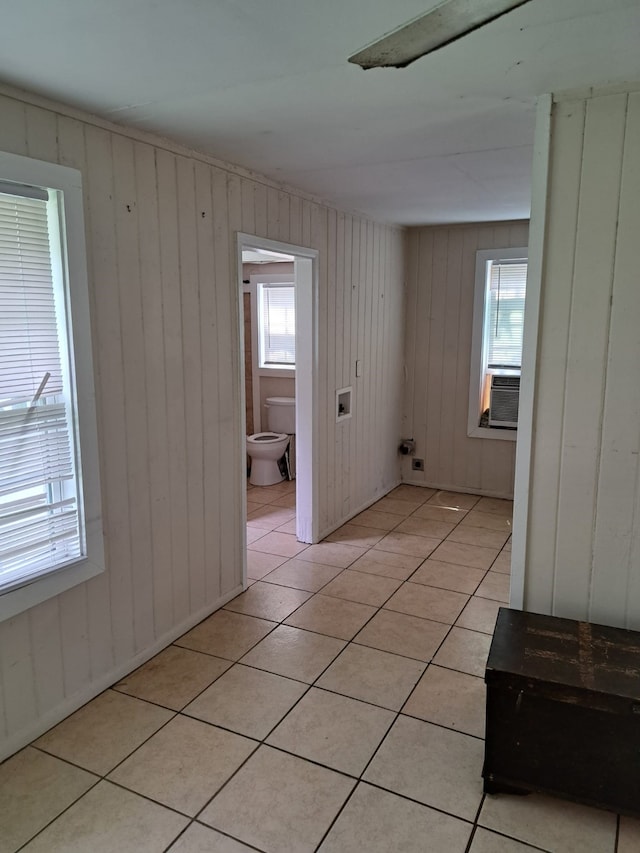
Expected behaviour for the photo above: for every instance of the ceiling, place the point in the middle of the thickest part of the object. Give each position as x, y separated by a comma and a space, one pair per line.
267, 85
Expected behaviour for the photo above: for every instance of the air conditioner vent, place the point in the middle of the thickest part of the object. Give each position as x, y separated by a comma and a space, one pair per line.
503, 405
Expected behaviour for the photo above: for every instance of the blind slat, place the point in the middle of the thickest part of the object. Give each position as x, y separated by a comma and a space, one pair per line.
277, 324
505, 320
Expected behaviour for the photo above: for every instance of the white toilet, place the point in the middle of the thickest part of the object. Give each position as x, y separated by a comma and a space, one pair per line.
266, 448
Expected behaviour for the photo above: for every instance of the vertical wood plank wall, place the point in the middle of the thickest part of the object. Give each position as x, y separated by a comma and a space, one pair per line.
162, 254
583, 540
441, 267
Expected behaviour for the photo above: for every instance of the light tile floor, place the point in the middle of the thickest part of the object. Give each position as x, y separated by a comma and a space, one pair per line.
336, 705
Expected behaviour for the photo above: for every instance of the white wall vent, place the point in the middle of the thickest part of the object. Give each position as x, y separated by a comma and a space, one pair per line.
503, 404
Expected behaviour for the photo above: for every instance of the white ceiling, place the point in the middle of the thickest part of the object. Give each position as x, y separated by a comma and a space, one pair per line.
267, 85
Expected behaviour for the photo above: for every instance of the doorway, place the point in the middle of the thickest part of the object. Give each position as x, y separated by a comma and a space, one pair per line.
305, 274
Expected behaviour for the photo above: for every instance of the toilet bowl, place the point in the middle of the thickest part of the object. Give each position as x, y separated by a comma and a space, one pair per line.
266, 448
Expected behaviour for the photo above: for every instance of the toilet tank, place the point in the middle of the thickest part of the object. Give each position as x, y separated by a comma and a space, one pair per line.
281, 414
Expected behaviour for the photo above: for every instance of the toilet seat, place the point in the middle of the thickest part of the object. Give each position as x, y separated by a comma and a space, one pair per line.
266, 437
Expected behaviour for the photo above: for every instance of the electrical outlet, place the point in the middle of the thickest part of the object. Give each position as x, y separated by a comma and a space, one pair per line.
417, 464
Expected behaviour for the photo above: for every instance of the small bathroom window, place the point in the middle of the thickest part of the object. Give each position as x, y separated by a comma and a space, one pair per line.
277, 325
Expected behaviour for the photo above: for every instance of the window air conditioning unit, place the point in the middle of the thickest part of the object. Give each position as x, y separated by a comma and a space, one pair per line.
503, 402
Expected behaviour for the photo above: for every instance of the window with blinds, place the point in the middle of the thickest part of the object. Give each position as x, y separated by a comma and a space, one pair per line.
277, 325
507, 283
40, 520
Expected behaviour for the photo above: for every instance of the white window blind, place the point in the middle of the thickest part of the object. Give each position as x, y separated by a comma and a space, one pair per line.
39, 517
277, 324
505, 314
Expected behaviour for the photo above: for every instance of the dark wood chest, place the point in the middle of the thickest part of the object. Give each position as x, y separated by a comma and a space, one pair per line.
563, 710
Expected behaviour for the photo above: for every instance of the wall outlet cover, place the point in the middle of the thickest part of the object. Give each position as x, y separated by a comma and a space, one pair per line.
417, 464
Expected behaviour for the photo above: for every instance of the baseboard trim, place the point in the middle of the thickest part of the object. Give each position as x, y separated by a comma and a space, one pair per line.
55, 715
447, 487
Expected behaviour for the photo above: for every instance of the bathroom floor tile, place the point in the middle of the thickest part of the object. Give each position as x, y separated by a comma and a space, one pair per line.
415, 494
425, 527
301, 574
487, 520
453, 782
407, 543
464, 650
495, 586
288, 501
332, 554
288, 527
104, 731
281, 544
203, 839
379, 822
334, 617
362, 587
428, 602
480, 614
465, 555
395, 506
247, 700
291, 804
451, 699
402, 634
446, 514
107, 819
378, 520
356, 534
502, 562
495, 505
448, 576
293, 653
372, 676
268, 601
468, 535
259, 565
485, 841
226, 634
252, 505
255, 533
454, 500
333, 730
184, 764
270, 516
387, 564
34, 789
550, 823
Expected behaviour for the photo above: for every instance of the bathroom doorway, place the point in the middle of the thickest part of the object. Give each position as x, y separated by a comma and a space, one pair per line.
302, 263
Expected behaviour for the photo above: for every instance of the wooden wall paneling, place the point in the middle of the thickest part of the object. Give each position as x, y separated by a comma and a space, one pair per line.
423, 333
42, 137
412, 241
329, 346
260, 206
46, 654
132, 514
284, 217
340, 475
363, 299
176, 427
19, 691
319, 240
466, 461
588, 336
381, 360
450, 356
192, 376
435, 353
248, 204
295, 220
209, 330
13, 127
273, 213
306, 222
356, 394
345, 378
156, 432
555, 309
620, 448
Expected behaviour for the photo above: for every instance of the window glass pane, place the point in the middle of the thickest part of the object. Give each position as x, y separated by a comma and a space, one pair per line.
505, 314
277, 325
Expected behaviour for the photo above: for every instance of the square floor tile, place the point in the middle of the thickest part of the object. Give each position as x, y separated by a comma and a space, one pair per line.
279, 803
334, 730
259, 565
332, 554
373, 676
280, 544
107, 819
495, 586
226, 634
414, 494
478, 536
104, 731
448, 576
454, 500
489, 842
268, 601
255, 533
550, 823
446, 514
184, 764
629, 838
435, 766
379, 822
202, 839
300, 574
495, 505
480, 614
174, 677
356, 534
287, 500
465, 555
379, 520
428, 602
502, 562
34, 789
425, 527
294, 653
266, 494
464, 650
452, 699
396, 506
488, 520
288, 527
407, 543
362, 587
270, 516
252, 506
387, 564
247, 700
402, 634
334, 617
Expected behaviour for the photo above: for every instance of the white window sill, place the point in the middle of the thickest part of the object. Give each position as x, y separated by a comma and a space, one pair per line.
494, 433
278, 372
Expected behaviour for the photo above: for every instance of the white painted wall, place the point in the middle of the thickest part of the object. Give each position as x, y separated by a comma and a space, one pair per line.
438, 332
581, 541
161, 225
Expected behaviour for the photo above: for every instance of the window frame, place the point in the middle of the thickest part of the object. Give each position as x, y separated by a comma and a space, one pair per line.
256, 279
68, 253
479, 370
